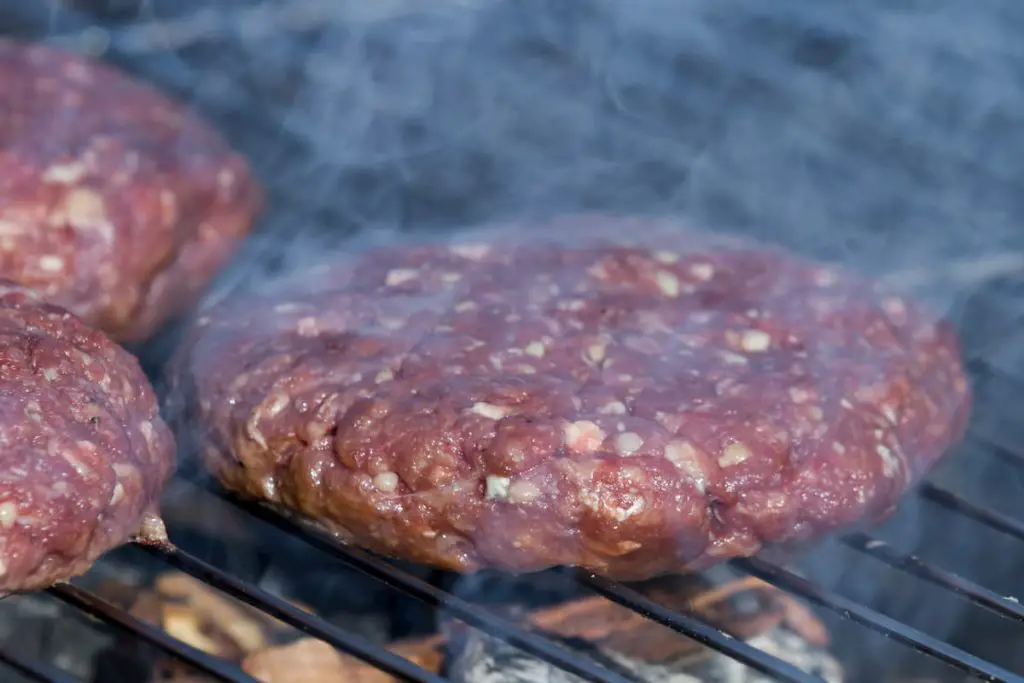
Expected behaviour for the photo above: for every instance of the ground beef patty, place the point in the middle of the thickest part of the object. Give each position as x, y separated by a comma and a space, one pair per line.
84, 451
114, 202
619, 395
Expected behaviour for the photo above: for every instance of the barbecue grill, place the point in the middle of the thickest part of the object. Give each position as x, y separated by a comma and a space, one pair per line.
899, 604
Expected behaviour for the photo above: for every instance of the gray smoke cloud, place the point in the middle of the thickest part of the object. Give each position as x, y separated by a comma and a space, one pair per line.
882, 134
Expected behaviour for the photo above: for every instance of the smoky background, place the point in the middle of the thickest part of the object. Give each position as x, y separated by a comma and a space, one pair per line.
885, 135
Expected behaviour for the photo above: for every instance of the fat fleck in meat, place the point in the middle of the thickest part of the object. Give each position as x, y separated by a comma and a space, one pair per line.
85, 453
114, 201
620, 395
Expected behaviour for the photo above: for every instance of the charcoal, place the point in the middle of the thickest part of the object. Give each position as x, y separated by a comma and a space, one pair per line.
483, 659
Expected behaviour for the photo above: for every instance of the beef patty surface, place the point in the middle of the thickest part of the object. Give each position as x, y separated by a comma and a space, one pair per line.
115, 202
621, 395
84, 451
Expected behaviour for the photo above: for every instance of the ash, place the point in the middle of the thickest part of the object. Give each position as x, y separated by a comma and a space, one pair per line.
483, 659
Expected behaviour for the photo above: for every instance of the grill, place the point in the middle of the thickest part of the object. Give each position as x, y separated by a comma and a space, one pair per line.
480, 617
196, 53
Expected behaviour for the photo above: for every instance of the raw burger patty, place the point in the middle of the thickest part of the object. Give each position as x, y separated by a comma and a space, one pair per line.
84, 452
564, 397
114, 201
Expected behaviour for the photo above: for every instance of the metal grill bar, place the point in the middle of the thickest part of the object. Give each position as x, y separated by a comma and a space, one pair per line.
706, 635
915, 566
774, 575
1008, 456
348, 642
958, 503
891, 628
385, 571
34, 669
111, 614
473, 615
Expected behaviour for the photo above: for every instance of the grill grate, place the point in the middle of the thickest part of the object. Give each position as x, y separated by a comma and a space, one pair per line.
383, 570
99, 608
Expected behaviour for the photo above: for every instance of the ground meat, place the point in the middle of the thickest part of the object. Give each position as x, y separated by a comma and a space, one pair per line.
85, 453
619, 395
114, 201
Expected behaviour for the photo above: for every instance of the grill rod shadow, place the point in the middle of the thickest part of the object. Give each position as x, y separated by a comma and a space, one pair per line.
34, 669
383, 570
254, 596
791, 583
101, 609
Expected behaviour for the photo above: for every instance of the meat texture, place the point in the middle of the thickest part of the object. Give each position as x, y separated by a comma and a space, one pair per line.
115, 202
85, 453
621, 395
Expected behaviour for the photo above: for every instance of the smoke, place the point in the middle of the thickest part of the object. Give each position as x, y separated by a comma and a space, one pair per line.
881, 134
874, 132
